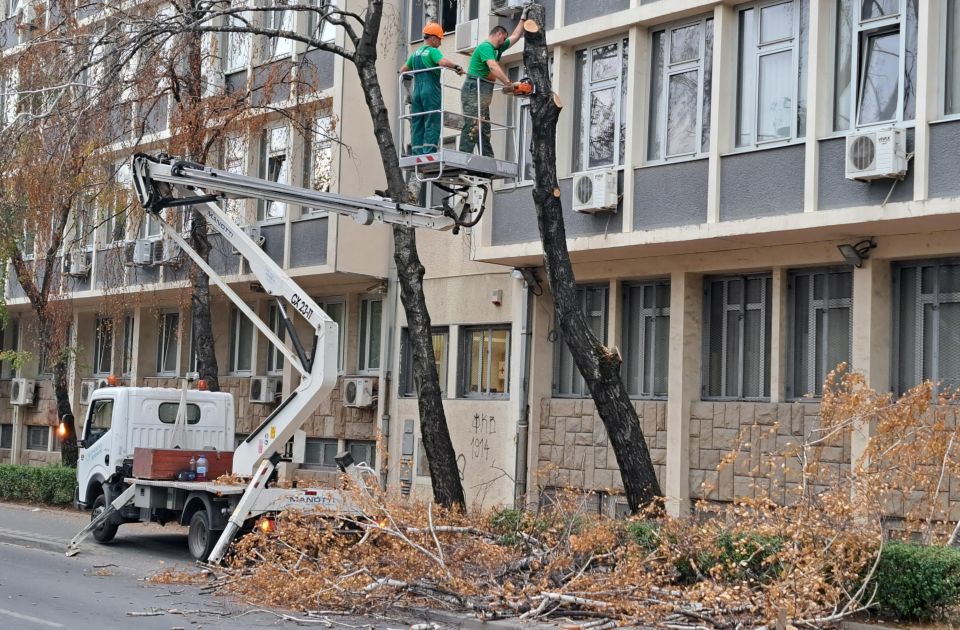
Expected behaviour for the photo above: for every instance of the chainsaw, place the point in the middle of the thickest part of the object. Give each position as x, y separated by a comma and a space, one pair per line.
524, 87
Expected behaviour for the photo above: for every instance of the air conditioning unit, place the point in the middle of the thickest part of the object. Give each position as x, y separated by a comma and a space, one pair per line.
164, 251
253, 231
358, 391
75, 264
466, 36
876, 154
507, 8
139, 252
595, 191
87, 387
22, 391
264, 389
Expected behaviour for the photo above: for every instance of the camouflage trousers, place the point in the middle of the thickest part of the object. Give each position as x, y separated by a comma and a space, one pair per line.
475, 102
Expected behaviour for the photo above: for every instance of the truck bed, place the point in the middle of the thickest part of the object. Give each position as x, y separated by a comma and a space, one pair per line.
201, 486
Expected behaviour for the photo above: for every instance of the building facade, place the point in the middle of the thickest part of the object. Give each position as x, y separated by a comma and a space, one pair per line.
713, 268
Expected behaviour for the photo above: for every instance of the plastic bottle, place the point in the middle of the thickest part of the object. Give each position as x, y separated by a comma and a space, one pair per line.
202, 467
193, 464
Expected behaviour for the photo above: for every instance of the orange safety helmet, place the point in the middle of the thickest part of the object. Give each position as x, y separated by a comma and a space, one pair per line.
432, 28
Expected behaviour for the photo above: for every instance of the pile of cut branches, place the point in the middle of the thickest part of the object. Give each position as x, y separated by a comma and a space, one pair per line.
807, 560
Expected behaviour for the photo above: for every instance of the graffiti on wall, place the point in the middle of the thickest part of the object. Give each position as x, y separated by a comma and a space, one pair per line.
484, 426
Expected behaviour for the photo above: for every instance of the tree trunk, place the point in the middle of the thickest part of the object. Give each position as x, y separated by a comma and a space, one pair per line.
599, 365
441, 456
61, 389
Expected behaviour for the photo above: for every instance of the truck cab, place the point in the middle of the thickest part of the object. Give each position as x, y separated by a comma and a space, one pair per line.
119, 419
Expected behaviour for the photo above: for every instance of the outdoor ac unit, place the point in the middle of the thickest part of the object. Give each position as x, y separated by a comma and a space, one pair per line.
253, 231
87, 387
467, 36
22, 391
506, 8
76, 264
140, 252
877, 154
595, 191
164, 251
264, 389
358, 391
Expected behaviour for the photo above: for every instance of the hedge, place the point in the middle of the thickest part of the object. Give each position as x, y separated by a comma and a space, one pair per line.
917, 582
52, 485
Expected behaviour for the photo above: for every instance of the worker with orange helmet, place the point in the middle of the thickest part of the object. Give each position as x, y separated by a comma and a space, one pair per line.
426, 102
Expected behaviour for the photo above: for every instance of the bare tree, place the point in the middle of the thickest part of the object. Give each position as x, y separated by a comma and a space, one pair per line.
599, 365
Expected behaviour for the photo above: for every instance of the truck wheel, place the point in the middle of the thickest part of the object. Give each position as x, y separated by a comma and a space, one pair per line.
106, 531
200, 538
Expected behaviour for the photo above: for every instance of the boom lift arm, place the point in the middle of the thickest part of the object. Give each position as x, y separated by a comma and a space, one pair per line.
161, 183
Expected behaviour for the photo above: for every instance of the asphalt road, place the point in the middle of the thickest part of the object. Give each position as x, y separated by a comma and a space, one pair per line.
104, 587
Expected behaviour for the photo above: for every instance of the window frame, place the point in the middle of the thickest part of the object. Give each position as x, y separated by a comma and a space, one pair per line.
321, 465
275, 358
405, 387
816, 356
32, 429
463, 371
319, 140
165, 335
766, 359
645, 360
364, 335
585, 86
371, 449
237, 319
6, 436
760, 49
281, 20
700, 64
324, 304
561, 351
103, 346
231, 41
268, 153
951, 64
11, 342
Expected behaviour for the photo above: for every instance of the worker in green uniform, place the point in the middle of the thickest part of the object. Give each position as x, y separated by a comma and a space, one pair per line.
425, 127
477, 90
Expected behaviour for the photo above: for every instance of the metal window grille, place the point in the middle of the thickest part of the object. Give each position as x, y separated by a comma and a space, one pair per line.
441, 341
320, 453
820, 328
363, 451
567, 380
103, 346
485, 361
737, 343
927, 324
38, 438
646, 334
6, 436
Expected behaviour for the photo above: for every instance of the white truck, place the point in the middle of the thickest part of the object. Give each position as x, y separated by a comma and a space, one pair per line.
120, 419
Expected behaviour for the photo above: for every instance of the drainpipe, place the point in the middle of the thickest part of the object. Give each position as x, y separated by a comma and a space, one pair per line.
523, 411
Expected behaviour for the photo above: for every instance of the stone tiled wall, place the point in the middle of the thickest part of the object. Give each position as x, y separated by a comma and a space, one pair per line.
43, 414
755, 431
574, 450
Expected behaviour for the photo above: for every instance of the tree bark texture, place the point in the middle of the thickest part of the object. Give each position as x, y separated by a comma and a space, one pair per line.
441, 456
599, 365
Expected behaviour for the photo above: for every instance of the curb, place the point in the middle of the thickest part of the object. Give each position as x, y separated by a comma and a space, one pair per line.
13, 537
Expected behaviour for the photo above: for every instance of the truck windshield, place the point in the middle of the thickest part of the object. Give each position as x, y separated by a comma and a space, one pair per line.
99, 420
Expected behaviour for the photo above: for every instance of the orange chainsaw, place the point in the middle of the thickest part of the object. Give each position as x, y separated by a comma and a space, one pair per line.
523, 87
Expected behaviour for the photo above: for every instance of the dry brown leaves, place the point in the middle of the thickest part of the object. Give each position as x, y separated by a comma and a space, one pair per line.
805, 558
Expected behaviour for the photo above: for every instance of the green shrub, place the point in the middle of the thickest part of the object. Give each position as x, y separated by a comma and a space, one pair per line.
917, 582
52, 485
645, 534
732, 557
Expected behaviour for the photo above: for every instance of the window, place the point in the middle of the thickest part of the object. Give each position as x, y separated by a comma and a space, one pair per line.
103, 347
167, 343
127, 359
241, 343
448, 16
335, 308
876, 71
518, 118
237, 53
646, 334
363, 452
771, 86
99, 421
274, 355
370, 316
275, 167
927, 324
737, 343
328, 32
567, 380
233, 152
681, 80
167, 413
320, 453
441, 341
11, 341
282, 20
485, 361
318, 167
6, 436
38, 438
951, 103
820, 305
85, 230
600, 86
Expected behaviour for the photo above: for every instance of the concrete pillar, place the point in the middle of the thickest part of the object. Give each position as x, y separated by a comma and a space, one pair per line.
820, 60
778, 335
686, 320
723, 105
929, 83
871, 334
